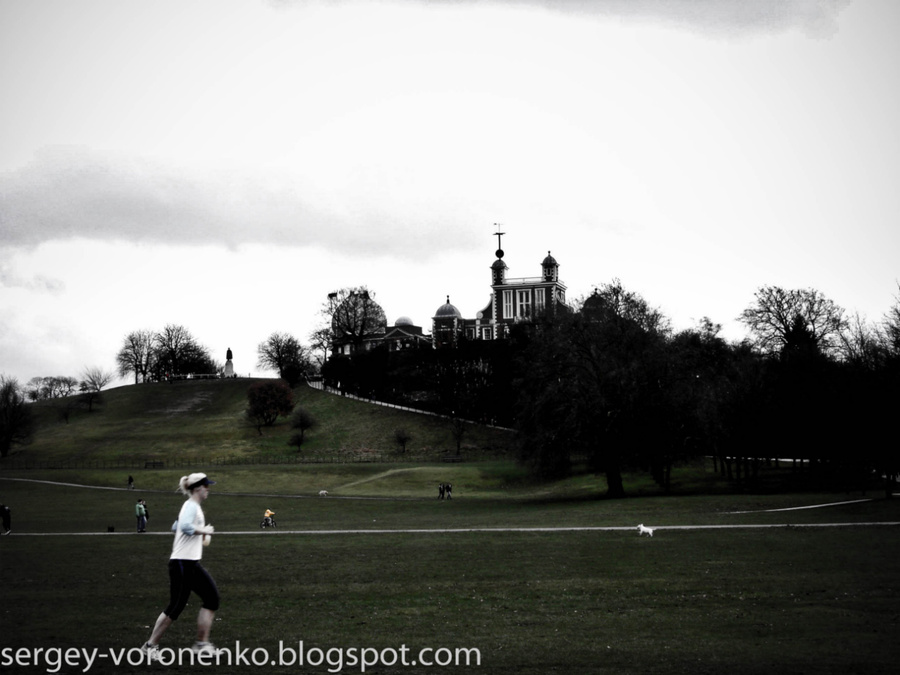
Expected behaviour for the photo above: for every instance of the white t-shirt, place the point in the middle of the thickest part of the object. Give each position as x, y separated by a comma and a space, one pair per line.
188, 544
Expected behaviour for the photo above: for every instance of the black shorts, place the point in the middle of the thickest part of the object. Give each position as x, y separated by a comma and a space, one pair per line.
186, 576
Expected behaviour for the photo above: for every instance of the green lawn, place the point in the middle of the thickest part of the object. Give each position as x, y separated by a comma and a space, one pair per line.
204, 420
746, 600
369, 567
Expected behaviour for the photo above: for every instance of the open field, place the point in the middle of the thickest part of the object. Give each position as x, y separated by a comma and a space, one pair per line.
372, 570
538, 577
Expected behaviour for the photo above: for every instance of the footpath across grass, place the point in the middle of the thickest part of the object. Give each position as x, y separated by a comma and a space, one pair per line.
747, 600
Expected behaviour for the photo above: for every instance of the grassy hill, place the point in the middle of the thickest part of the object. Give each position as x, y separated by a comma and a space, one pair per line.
204, 420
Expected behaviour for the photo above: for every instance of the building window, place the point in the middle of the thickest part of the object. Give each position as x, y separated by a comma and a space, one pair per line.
524, 303
539, 295
485, 333
507, 304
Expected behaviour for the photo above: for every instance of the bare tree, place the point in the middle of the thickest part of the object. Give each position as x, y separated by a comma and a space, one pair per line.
354, 316
860, 344
136, 355
284, 353
780, 317
458, 428
44, 388
92, 381
320, 342
888, 332
178, 353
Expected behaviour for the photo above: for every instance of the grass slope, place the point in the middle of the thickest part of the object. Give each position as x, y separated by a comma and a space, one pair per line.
200, 419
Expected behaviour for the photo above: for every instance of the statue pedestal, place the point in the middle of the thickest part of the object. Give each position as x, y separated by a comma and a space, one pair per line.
229, 368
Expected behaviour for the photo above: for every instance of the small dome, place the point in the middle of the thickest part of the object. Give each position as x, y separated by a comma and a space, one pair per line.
447, 311
403, 321
549, 260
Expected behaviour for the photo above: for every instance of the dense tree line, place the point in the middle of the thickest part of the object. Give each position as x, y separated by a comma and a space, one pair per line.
69, 392
610, 386
154, 356
472, 381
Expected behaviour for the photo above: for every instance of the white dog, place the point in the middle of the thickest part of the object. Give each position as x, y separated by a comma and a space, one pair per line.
323, 493
642, 530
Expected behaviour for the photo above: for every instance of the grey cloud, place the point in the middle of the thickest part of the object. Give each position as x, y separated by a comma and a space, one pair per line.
68, 193
733, 18
39, 283
728, 18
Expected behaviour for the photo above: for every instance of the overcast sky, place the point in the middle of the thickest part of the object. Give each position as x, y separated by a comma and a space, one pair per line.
226, 164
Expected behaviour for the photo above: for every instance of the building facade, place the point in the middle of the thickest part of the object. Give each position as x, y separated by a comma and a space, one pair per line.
512, 301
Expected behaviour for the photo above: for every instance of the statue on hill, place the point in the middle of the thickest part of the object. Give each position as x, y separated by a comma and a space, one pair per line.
229, 366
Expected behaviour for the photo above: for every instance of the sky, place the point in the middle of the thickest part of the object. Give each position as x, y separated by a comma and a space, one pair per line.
224, 165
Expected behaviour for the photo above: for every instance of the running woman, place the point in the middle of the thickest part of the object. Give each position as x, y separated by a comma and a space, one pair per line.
186, 574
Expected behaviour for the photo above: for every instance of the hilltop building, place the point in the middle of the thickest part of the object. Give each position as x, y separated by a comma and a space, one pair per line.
512, 301
359, 324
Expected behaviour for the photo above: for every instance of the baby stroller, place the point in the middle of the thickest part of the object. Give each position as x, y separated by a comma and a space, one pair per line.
268, 520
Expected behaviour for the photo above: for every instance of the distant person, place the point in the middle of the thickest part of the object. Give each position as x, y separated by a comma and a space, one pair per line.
6, 515
268, 518
440, 490
146, 511
186, 574
131, 482
141, 514
448, 490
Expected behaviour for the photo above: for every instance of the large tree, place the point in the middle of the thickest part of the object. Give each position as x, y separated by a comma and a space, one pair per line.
285, 354
353, 316
784, 321
136, 355
593, 384
178, 353
15, 415
267, 401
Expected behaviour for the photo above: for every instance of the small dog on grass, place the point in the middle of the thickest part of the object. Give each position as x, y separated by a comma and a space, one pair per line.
323, 493
644, 530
